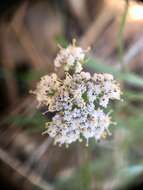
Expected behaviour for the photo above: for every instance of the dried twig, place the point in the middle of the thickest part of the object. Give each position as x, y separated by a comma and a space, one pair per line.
134, 50
96, 27
25, 39
39, 152
8, 63
33, 177
17, 109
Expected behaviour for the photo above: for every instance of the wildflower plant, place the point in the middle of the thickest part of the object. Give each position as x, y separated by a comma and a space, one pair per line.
78, 102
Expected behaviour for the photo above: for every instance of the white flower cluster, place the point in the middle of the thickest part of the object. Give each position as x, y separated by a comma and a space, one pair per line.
78, 102
71, 58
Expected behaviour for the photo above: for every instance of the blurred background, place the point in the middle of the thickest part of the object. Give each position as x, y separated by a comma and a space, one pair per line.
29, 34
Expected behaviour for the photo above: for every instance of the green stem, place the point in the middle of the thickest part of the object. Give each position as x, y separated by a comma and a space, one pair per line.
120, 35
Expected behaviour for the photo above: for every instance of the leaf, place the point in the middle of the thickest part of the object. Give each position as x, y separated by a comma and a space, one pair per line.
62, 41
21, 120
98, 66
130, 95
130, 78
34, 75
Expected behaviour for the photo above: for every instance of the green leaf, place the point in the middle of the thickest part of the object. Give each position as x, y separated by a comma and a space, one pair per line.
34, 75
98, 66
130, 95
21, 120
130, 78
62, 41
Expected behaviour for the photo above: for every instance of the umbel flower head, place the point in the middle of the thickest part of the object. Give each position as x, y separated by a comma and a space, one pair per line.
77, 103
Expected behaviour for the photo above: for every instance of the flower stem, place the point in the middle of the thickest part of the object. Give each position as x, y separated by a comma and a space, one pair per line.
120, 35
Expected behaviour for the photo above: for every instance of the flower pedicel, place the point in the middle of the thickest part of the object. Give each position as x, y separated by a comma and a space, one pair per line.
78, 103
